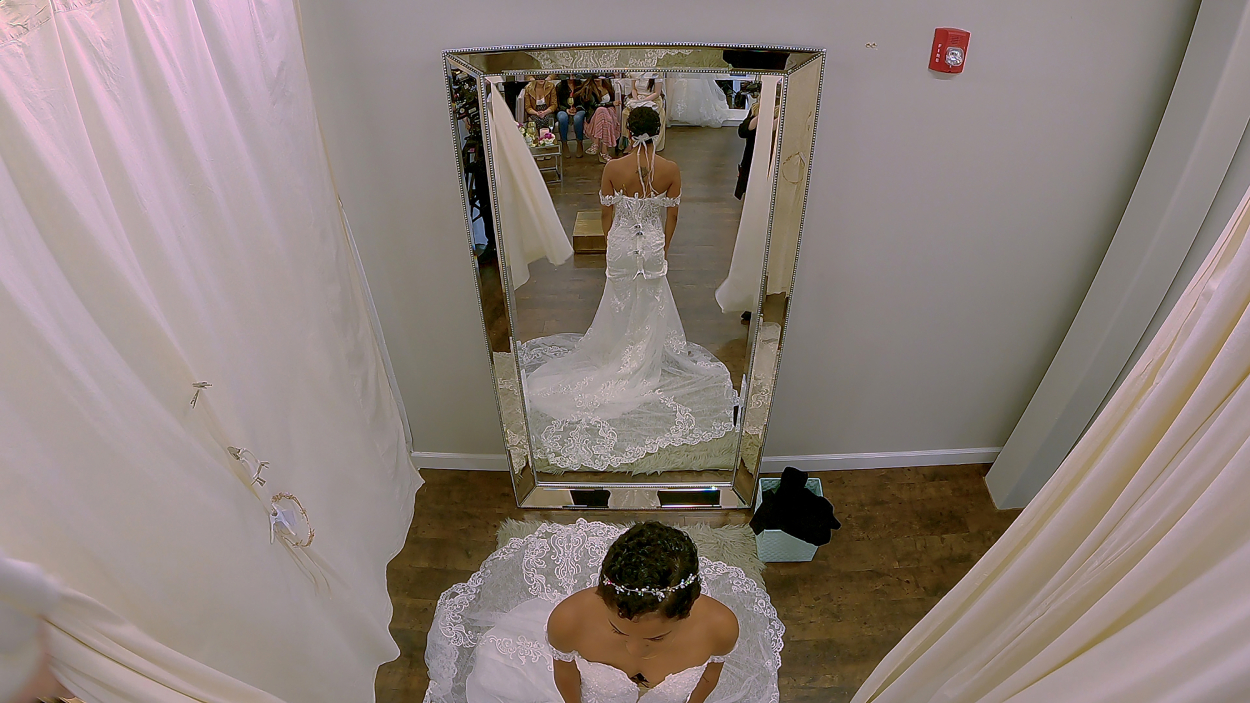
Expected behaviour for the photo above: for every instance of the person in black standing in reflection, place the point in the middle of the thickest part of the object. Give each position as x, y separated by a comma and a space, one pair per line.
746, 130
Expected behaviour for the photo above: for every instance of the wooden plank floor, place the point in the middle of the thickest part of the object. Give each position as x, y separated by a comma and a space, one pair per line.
908, 536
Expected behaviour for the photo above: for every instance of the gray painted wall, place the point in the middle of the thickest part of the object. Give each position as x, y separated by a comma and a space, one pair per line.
1201, 129
954, 224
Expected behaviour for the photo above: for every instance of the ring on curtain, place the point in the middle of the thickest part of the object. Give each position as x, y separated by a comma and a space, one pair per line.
281, 522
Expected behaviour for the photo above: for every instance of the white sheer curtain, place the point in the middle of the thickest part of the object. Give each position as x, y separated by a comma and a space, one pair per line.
531, 227
167, 218
1125, 578
741, 288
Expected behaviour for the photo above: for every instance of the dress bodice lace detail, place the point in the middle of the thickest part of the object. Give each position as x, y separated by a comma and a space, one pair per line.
604, 682
488, 641
659, 199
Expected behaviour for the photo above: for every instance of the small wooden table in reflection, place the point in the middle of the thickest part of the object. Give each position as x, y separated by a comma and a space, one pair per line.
553, 155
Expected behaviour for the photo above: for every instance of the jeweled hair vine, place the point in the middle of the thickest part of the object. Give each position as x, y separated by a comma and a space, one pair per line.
651, 568
657, 593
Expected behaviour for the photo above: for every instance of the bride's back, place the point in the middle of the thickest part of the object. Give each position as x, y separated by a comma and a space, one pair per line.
622, 176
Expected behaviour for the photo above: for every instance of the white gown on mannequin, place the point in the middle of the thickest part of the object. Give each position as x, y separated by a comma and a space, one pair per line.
632, 385
488, 641
696, 100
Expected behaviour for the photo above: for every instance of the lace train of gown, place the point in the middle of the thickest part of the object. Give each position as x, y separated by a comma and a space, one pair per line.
488, 641
632, 385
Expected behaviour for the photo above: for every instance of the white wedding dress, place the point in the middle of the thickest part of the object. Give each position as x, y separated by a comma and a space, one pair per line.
488, 641
696, 100
632, 385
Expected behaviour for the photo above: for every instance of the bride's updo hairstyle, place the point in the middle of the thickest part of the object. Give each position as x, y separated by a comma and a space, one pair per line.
643, 120
650, 568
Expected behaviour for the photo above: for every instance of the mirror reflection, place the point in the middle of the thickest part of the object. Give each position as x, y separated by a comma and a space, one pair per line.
634, 215
634, 235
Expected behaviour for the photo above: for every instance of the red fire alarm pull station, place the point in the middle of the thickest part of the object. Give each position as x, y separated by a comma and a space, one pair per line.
950, 49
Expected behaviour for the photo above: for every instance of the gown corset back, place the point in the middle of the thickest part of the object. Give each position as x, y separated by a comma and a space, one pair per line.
636, 239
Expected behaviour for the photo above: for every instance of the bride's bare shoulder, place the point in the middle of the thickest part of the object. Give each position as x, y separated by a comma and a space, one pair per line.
568, 618
720, 623
617, 164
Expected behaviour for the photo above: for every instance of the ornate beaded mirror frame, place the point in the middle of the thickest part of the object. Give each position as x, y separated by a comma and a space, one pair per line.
567, 446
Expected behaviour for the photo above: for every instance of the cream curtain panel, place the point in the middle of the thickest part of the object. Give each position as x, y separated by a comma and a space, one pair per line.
1126, 578
167, 219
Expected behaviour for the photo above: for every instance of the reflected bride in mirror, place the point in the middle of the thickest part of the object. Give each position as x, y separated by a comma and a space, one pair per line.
633, 384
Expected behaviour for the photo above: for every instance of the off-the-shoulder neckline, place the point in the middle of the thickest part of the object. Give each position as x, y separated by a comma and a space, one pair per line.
657, 684
621, 194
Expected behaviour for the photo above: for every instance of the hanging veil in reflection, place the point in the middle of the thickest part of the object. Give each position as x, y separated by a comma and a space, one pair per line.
632, 385
527, 217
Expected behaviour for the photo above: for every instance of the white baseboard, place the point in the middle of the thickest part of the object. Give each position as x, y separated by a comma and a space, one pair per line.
772, 464
881, 460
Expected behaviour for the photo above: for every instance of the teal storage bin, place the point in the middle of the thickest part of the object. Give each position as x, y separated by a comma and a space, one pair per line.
775, 545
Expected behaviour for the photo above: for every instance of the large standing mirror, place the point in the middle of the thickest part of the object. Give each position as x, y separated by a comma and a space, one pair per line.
634, 216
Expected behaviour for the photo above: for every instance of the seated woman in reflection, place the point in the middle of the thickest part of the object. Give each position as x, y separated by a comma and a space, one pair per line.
571, 97
647, 632
632, 385
605, 118
540, 103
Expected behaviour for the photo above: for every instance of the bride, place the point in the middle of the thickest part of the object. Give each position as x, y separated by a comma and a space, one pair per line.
632, 385
561, 616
